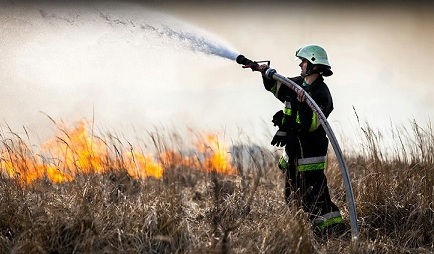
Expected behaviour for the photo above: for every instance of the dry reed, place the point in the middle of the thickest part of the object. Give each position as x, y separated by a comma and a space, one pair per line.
201, 211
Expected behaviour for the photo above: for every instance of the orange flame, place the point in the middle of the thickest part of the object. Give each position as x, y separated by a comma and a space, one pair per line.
219, 158
77, 151
142, 166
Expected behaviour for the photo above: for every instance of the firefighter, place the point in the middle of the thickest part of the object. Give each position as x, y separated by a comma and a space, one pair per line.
304, 139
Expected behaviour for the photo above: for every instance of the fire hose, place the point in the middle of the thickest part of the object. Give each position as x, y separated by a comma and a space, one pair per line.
272, 74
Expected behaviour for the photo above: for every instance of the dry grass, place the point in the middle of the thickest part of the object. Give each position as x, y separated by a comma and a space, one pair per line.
194, 211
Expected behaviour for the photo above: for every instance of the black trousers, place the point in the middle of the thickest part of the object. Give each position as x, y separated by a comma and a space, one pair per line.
309, 188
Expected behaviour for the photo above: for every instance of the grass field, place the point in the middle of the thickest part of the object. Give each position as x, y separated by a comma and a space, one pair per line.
87, 192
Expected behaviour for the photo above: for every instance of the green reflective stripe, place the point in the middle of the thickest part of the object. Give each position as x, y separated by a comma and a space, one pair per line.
297, 118
331, 221
310, 167
315, 123
287, 111
311, 163
274, 89
283, 161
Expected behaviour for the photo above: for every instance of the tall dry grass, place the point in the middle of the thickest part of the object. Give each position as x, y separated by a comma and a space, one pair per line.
194, 211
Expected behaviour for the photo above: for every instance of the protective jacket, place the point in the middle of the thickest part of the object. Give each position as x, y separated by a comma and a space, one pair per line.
308, 138
305, 154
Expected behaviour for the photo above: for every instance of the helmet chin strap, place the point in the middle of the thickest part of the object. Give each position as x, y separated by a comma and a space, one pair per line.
310, 69
313, 69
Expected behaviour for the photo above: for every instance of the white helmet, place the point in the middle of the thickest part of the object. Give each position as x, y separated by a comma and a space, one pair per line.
317, 56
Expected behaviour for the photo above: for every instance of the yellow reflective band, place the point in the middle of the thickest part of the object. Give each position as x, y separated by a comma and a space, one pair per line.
287, 111
283, 161
315, 123
297, 119
283, 164
329, 222
310, 167
273, 89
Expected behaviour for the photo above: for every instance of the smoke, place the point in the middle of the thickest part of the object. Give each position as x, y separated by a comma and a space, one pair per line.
125, 65
129, 66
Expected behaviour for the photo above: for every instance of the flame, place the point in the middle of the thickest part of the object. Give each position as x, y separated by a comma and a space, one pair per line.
77, 151
219, 158
142, 166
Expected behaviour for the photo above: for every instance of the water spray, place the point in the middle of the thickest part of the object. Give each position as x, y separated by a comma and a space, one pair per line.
272, 74
177, 31
194, 41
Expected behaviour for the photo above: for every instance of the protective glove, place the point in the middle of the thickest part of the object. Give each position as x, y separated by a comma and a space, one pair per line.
262, 68
277, 118
280, 138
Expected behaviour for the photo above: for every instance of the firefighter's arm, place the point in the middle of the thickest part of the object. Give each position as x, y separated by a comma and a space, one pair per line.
279, 90
308, 119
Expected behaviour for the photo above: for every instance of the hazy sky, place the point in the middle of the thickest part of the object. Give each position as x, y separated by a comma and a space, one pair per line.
74, 61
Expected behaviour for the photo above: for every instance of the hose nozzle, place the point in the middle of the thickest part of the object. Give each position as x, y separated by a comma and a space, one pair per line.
247, 63
243, 60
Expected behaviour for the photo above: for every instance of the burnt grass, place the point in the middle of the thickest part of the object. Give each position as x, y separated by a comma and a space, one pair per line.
194, 211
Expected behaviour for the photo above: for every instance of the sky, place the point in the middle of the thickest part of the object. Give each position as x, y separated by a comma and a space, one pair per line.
110, 62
